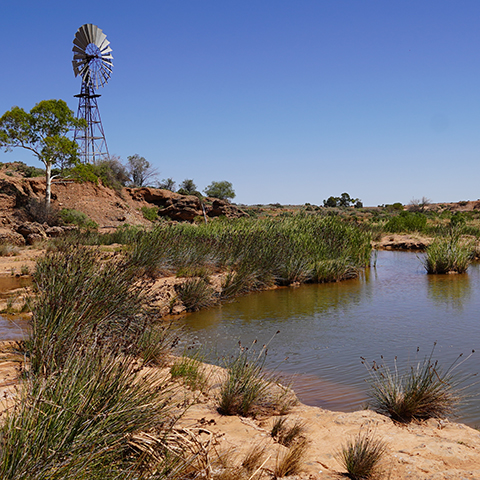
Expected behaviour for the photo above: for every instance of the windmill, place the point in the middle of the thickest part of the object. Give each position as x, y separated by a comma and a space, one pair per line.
92, 60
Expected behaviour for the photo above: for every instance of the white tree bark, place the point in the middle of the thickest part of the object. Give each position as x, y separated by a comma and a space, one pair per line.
48, 189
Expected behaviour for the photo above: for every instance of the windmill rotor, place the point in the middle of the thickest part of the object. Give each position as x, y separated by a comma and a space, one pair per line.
92, 58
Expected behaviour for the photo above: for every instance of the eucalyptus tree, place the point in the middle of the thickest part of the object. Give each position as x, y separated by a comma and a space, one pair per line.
43, 131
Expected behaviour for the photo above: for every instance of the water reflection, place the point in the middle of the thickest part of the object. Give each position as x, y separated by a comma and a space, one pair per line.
325, 329
451, 291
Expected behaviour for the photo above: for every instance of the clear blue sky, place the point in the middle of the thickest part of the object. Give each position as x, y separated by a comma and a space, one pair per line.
292, 101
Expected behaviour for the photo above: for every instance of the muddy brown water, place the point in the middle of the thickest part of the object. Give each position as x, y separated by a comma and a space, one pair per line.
12, 327
393, 310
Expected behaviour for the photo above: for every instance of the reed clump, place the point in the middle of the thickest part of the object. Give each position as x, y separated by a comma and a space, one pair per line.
81, 294
249, 389
361, 456
196, 293
85, 395
420, 392
451, 254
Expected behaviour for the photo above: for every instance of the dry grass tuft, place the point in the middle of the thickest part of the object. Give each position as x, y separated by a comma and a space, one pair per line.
286, 435
361, 456
291, 461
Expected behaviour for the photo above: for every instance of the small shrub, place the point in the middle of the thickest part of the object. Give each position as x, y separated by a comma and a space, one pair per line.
150, 213
249, 389
195, 294
84, 173
284, 434
290, 463
191, 371
406, 222
421, 392
361, 456
72, 216
7, 250
254, 458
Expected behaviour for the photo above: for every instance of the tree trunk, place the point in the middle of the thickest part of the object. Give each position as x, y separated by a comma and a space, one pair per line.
48, 189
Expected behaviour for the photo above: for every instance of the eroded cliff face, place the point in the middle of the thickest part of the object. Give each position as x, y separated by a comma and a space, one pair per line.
108, 208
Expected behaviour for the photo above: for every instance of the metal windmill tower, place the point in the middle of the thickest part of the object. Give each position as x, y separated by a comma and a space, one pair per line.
92, 60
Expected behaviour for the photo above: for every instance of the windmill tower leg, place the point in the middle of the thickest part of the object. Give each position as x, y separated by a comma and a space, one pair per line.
91, 141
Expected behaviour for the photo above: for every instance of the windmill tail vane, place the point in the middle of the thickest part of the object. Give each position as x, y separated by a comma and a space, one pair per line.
93, 62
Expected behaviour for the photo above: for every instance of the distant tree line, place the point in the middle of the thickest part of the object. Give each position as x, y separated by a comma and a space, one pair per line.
344, 200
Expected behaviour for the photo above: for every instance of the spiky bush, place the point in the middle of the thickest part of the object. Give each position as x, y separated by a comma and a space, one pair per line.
361, 456
82, 294
420, 392
195, 294
449, 255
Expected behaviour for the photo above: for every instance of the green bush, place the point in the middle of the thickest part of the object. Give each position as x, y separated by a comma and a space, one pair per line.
406, 222
150, 213
72, 216
449, 255
84, 173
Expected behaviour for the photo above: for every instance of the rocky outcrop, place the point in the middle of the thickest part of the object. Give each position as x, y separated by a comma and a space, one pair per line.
10, 237
223, 207
184, 207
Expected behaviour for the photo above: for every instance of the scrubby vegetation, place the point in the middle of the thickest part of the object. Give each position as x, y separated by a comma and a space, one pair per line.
84, 395
362, 455
450, 254
249, 389
257, 253
420, 392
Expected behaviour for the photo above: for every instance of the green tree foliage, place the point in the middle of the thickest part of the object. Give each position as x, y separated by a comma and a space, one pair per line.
167, 184
43, 131
111, 172
188, 187
140, 170
223, 190
344, 200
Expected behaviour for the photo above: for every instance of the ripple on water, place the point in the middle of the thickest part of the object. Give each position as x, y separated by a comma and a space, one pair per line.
325, 329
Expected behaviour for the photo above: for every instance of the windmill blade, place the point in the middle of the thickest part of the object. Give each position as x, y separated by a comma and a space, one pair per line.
75, 69
80, 43
78, 50
105, 77
104, 44
81, 37
100, 37
107, 69
90, 32
106, 50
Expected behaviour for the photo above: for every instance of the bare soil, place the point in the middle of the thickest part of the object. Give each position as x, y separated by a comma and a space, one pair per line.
433, 450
